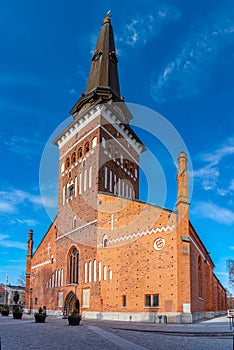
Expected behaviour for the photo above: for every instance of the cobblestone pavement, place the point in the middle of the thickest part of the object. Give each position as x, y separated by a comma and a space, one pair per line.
55, 334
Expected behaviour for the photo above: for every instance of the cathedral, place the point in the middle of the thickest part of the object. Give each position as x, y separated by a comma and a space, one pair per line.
107, 252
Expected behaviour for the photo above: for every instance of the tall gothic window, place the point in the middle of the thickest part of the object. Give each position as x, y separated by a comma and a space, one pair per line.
94, 142
86, 147
79, 152
67, 163
73, 158
73, 266
199, 276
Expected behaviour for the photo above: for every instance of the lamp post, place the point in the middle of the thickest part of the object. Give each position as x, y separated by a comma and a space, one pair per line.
5, 289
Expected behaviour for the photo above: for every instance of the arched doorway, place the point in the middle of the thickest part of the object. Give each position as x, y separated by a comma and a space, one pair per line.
71, 302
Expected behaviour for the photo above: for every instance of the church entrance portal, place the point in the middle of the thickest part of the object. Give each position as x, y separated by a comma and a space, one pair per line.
71, 302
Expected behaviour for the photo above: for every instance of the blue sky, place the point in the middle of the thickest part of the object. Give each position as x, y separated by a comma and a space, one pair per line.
175, 57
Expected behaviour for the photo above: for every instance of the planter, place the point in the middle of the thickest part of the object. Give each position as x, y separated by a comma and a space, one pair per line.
74, 320
5, 312
40, 318
17, 315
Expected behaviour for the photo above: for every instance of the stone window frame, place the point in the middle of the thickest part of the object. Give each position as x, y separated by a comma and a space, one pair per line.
124, 301
73, 265
151, 300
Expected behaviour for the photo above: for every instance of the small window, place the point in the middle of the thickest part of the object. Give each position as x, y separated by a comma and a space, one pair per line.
94, 142
74, 222
151, 300
73, 158
155, 300
136, 173
67, 163
86, 147
62, 167
124, 301
103, 142
121, 158
105, 241
70, 190
80, 153
36, 301
148, 300
105, 179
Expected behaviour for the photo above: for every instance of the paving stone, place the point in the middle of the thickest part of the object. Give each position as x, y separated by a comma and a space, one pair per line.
108, 335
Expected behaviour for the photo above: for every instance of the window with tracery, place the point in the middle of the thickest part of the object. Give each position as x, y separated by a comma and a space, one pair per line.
73, 266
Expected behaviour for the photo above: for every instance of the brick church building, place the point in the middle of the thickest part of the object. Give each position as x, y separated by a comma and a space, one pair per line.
112, 254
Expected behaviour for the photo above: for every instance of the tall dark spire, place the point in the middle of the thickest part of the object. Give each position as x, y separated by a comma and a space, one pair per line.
104, 71
103, 81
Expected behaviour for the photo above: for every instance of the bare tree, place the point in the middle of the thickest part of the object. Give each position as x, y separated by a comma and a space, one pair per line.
230, 268
21, 280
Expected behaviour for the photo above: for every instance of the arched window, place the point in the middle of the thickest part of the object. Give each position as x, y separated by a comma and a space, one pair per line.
90, 271
121, 158
103, 142
86, 272
95, 270
94, 142
62, 167
70, 190
105, 241
199, 276
86, 147
74, 222
105, 178
73, 266
67, 163
80, 153
73, 157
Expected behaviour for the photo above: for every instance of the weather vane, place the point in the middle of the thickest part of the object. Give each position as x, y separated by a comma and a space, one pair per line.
108, 16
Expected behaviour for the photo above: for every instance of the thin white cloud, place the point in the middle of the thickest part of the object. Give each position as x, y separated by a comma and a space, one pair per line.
10, 201
183, 76
5, 242
221, 273
231, 187
28, 222
23, 145
209, 174
142, 27
214, 212
6, 207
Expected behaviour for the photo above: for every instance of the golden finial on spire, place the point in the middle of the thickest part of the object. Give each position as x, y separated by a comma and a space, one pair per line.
108, 16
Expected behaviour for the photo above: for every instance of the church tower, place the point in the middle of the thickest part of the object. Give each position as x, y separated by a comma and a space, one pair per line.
107, 253
99, 152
